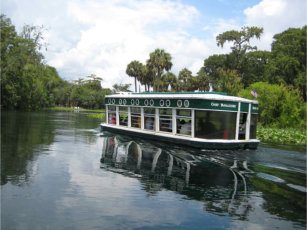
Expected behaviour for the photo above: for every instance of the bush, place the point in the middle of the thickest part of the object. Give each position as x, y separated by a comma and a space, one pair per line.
279, 106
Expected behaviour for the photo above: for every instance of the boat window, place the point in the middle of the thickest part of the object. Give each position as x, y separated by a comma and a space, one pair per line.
253, 126
183, 120
215, 125
149, 118
165, 119
112, 114
123, 115
136, 117
242, 126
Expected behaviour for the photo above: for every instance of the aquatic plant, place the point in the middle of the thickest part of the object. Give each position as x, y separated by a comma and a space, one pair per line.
282, 136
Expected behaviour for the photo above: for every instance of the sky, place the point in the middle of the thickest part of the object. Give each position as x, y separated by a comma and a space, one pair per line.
102, 37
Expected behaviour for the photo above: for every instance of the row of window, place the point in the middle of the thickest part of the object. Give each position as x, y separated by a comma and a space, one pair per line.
207, 125
183, 119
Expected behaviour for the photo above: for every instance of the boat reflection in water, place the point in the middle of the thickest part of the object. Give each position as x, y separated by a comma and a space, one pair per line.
217, 181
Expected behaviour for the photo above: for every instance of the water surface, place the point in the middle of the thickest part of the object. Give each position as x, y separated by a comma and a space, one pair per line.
59, 171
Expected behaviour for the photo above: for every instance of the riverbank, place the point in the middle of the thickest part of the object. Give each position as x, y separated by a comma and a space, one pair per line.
98, 114
74, 109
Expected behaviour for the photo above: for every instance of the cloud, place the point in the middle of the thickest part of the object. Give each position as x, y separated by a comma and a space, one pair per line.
116, 33
275, 16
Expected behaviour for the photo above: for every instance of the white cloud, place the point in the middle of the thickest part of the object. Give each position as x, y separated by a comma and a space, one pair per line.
275, 16
115, 33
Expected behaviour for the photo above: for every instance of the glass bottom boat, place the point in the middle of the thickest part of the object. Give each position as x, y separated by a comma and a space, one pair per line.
200, 120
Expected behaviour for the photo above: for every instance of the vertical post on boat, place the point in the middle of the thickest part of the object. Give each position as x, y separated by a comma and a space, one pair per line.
174, 121
248, 122
193, 122
157, 120
117, 115
107, 114
238, 121
142, 118
129, 116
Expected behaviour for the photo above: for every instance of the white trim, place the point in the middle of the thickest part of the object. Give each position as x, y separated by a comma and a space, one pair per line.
238, 121
174, 121
157, 121
193, 123
142, 118
117, 115
107, 114
248, 122
129, 116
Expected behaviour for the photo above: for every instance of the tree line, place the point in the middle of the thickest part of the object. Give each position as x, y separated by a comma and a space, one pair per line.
244, 65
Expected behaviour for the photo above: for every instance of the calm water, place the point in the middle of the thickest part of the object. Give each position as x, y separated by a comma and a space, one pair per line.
58, 171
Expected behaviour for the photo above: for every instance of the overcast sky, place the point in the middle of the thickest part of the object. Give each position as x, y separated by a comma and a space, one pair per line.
103, 36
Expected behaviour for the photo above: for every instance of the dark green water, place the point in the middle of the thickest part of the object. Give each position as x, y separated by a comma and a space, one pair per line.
58, 171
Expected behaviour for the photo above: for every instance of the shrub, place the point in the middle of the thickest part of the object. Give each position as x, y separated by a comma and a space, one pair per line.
279, 105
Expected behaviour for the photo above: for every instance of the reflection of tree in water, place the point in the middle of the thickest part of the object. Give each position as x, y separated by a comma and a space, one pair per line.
26, 135
23, 137
220, 185
282, 200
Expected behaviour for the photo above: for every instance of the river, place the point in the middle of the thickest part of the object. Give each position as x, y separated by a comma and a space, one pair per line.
59, 171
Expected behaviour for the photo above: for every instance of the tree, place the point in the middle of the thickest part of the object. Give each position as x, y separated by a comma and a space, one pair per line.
229, 82
255, 67
171, 80
203, 80
158, 61
120, 88
186, 80
135, 69
288, 64
22, 67
240, 40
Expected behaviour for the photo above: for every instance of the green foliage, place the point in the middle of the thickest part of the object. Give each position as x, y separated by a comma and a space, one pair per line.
98, 116
26, 82
240, 40
120, 88
228, 82
88, 94
288, 136
135, 69
158, 61
186, 80
288, 64
279, 105
254, 67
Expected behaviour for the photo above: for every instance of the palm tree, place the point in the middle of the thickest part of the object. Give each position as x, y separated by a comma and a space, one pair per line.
171, 80
159, 61
203, 80
186, 79
135, 69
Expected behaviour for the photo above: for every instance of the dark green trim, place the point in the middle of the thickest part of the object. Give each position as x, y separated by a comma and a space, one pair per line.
194, 144
215, 105
244, 107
